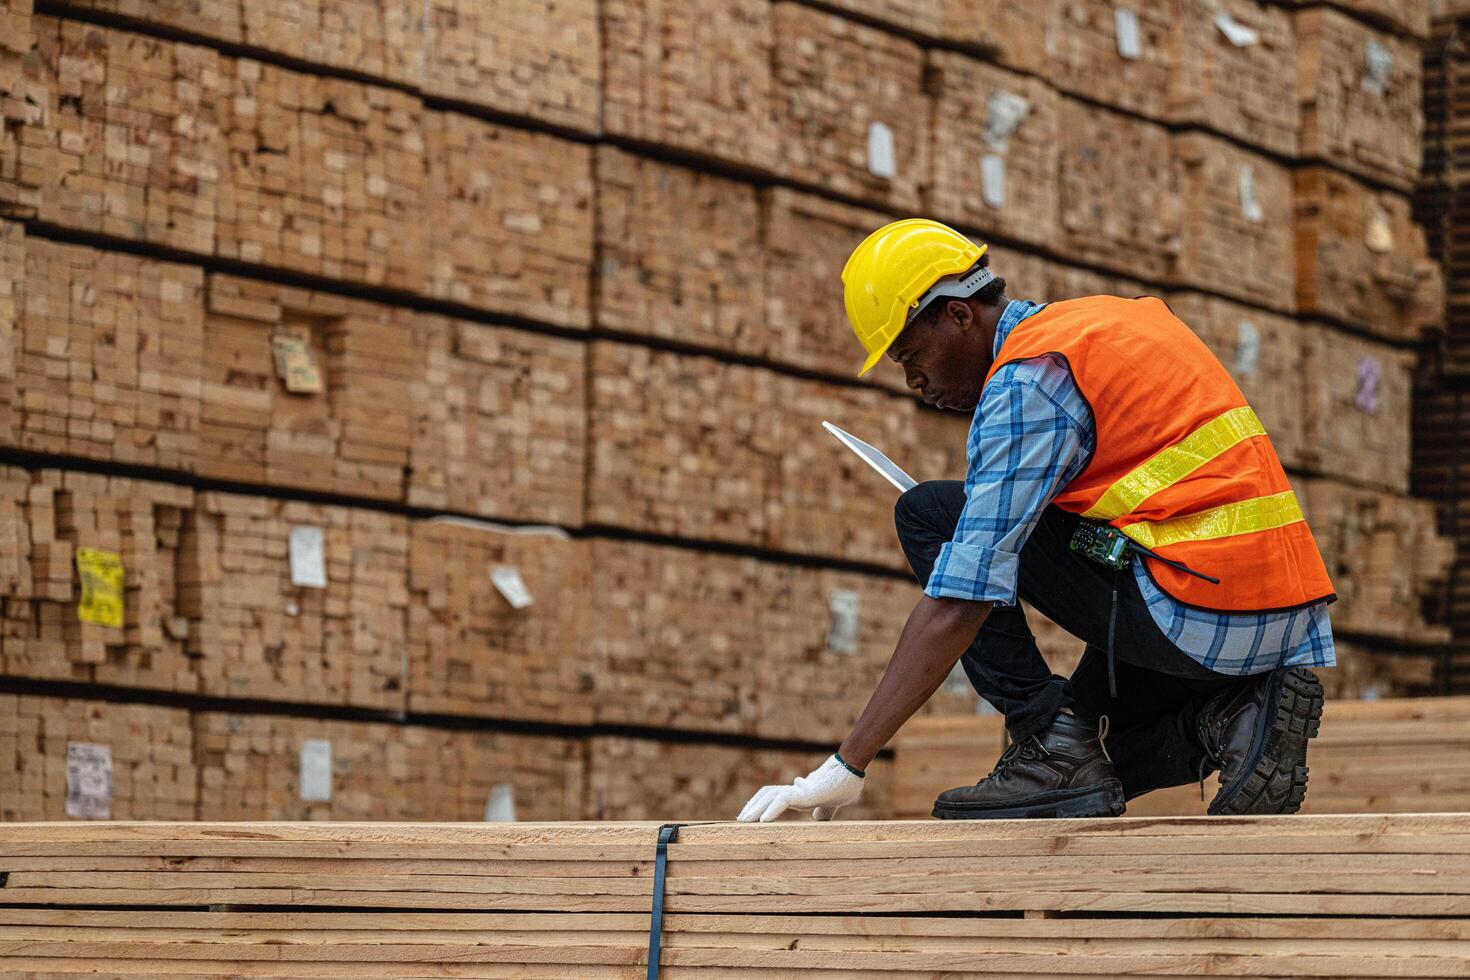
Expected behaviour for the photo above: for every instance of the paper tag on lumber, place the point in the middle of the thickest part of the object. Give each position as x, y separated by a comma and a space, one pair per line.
1377, 65
88, 781
1004, 112
1250, 205
316, 770
842, 637
295, 365
308, 560
1235, 32
881, 157
1130, 44
1247, 350
993, 180
508, 582
500, 807
101, 574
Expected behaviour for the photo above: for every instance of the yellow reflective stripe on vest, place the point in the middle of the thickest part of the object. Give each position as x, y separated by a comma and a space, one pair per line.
1168, 466
1227, 520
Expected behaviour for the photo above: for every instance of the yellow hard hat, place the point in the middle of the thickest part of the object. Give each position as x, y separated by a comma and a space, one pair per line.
892, 270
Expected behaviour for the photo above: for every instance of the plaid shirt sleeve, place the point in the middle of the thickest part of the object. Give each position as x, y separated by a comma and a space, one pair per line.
1024, 447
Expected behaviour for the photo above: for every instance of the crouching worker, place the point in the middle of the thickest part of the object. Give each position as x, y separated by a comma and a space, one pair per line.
1118, 482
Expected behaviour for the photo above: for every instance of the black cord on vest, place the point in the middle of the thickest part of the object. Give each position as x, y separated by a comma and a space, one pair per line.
1112, 628
1174, 564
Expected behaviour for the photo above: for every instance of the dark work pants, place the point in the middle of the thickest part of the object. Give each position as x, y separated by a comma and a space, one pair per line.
1151, 736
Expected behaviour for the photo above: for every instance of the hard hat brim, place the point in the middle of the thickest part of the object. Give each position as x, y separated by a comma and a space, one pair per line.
877, 355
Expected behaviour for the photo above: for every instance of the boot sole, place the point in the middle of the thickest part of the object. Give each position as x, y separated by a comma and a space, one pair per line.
1276, 780
1104, 800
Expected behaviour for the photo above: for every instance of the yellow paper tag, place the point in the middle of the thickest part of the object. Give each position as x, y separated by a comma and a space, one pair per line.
102, 587
294, 364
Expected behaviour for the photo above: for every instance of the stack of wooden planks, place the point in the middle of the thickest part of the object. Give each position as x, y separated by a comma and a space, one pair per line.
1302, 896
1394, 755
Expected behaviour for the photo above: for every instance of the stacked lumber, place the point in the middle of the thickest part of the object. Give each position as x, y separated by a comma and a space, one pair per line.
673, 637
1137, 234
1361, 258
510, 213
1263, 353
496, 623
1069, 282
676, 449
298, 602
50, 516
500, 422
1386, 562
1384, 756
262, 767
1407, 17
1238, 83
274, 167
23, 102
680, 256
823, 499
637, 779
662, 86
12, 278
1236, 233
106, 359
1359, 90
807, 242
1117, 54
1002, 128
1356, 408
1254, 896
321, 175
381, 38
1391, 755
307, 389
102, 159
537, 59
851, 112
61, 757
1016, 35
1384, 671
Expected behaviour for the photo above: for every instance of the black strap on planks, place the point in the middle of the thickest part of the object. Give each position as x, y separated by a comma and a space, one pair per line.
667, 834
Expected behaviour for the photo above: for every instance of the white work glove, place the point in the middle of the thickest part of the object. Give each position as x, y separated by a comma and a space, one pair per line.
824, 791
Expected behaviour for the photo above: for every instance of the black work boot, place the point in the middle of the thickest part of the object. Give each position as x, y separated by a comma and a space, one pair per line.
1063, 771
1257, 736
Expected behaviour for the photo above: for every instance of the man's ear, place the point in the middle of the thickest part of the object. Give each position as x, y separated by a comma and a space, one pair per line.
960, 311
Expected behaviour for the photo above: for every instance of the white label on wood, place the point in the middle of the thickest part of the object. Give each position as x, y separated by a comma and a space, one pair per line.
881, 157
1247, 350
500, 807
993, 180
842, 637
1370, 372
1130, 43
1377, 66
316, 770
1003, 115
308, 559
1235, 32
88, 781
1250, 205
1379, 234
508, 582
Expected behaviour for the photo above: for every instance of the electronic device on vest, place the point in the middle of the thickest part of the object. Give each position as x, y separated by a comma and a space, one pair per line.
1109, 546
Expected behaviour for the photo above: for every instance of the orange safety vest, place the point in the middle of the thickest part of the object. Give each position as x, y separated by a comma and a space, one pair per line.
1181, 464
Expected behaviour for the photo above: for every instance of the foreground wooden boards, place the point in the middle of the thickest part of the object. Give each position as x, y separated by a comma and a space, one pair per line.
1341, 896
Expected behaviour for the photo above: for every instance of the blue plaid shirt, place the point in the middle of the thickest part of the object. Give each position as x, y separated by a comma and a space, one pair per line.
1032, 435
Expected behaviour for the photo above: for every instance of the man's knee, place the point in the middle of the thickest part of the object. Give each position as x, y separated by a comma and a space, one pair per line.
931, 506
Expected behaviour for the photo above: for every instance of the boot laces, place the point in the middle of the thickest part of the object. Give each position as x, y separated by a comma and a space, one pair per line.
1027, 748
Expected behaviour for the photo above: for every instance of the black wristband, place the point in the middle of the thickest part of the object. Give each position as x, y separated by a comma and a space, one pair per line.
850, 769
